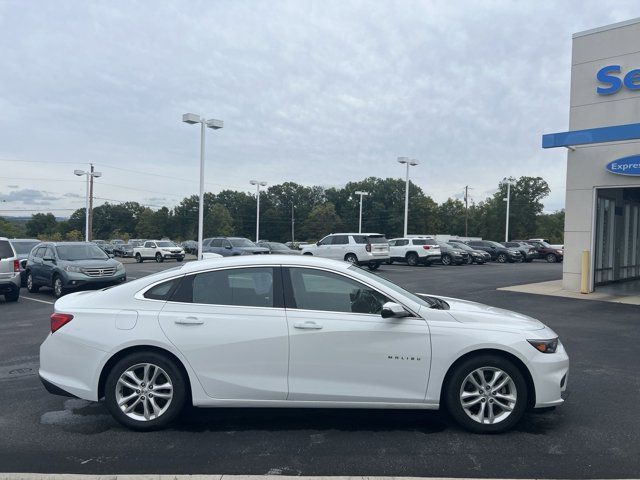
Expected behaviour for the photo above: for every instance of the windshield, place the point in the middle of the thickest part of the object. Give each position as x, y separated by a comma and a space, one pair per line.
545, 244
81, 252
166, 244
461, 246
419, 300
241, 242
495, 244
23, 248
278, 246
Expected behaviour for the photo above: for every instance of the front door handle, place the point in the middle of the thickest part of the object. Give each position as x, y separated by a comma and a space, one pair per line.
189, 321
309, 325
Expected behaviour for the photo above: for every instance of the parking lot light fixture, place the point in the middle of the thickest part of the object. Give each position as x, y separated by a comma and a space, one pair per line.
258, 184
409, 162
192, 118
362, 194
90, 174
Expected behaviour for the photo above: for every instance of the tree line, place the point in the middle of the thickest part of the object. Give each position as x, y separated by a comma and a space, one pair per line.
314, 212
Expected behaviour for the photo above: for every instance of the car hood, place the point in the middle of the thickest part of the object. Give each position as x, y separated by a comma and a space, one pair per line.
477, 313
110, 262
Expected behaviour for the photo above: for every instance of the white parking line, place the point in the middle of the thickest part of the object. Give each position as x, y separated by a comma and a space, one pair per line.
37, 300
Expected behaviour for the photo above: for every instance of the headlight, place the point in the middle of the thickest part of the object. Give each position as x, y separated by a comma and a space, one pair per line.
561, 252
120, 266
545, 346
72, 268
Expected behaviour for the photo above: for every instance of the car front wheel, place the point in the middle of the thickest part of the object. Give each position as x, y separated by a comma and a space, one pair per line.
551, 258
159, 258
58, 286
138, 258
145, 391
486, 394
446, 259
31, 286
502, 258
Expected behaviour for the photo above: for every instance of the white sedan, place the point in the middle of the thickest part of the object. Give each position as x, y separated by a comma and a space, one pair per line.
274, 331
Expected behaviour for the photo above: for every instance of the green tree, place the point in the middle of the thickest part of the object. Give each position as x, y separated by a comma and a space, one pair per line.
41, 224
218, 222
551, 226
321, 221
7, 229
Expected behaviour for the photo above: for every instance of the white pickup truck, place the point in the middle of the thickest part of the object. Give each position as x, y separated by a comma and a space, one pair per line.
158, 250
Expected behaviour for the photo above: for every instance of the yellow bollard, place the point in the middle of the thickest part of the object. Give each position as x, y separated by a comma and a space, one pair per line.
584, 279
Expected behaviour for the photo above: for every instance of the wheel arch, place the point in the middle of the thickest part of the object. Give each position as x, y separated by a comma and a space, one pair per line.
531, 389
411, 252
116, 357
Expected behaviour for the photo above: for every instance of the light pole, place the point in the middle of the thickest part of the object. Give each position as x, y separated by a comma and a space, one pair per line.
90, 174
362, 194
258, 185
192, 118
508, 200
410, 162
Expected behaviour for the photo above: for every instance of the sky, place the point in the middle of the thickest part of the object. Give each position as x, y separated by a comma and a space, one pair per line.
313, 92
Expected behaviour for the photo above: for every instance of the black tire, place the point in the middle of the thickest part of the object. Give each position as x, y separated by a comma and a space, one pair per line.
502, 258
469, 260
31, 285
551, 258
179, 259
412, 259
373, 265
454, 386
351, 258
58, 286
139, 258
13, 296
528, 260
308, 253
159, 257
173, 373
446, 259
389, 262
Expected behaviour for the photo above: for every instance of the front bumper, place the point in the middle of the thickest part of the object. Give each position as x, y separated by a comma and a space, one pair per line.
74, 280
550, 373
173, 254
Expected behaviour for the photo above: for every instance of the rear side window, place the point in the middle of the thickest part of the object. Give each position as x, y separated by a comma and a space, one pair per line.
5, 249
402, 243
163, 290
360, 239
340, 240
248, 287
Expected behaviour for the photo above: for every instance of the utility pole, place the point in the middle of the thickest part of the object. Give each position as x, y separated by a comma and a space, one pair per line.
293, 222
508, 200
466, 210
90, 212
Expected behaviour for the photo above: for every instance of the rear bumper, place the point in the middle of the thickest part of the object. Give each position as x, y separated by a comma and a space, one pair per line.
10, 284
54, 389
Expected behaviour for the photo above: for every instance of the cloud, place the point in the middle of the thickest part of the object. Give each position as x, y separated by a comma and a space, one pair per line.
29, 196
73, 195
13, 186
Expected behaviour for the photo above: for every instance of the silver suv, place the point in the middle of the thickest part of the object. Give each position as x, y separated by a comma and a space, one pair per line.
370, 249
9, 271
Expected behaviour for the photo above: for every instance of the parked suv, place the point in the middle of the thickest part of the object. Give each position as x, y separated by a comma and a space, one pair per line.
527, 250
231, 246
158, 250
475, 256
414, 251
546, 251
66, 266
498, 252
23, 246
369, 249
452, 254
9, 271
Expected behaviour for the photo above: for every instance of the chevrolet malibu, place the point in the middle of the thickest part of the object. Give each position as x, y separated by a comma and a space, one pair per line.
296, 331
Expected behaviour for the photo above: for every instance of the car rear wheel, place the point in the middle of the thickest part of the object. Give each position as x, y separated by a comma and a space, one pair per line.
446, 259
145, 391
31, 286
373, 265
412, 259
58, 286
159, 258
486, 393
179, 259
502, 258
13, 296
351, 258
469, 260
138, 258
551, 258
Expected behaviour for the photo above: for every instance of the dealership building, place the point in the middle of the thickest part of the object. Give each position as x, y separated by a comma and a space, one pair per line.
603, 161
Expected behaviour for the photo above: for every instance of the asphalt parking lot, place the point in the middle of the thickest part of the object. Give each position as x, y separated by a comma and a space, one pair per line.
596, 434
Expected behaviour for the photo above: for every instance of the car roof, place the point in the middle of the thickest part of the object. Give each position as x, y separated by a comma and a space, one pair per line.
252, 260
24, 240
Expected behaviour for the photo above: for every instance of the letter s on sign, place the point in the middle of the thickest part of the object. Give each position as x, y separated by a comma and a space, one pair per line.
614, 82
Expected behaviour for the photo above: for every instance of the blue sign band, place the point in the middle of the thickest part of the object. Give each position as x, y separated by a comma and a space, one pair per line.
616, 133
625, 166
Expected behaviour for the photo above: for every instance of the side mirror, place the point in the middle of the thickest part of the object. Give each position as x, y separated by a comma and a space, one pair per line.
318, 243
393, 310
228, 247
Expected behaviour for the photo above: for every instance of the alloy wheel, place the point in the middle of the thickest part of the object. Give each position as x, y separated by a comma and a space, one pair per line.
446, 260
144, 392
57, 287
488, 395
502, 258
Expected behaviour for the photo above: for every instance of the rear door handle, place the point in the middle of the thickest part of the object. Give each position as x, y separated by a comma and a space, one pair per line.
189, 321
307, 325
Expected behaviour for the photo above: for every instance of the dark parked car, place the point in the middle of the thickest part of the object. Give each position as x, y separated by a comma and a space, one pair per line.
527, 250
66, 266
475, 256
547, 252
229, 246
23, 246
452, 255
278, 248
498, 252
123, 250
190, 246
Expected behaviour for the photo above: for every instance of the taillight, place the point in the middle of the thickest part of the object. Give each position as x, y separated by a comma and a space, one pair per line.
426, 247
16, 265
368, 247
58, 320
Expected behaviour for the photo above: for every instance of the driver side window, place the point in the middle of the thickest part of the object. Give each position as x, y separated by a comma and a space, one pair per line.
321, 290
